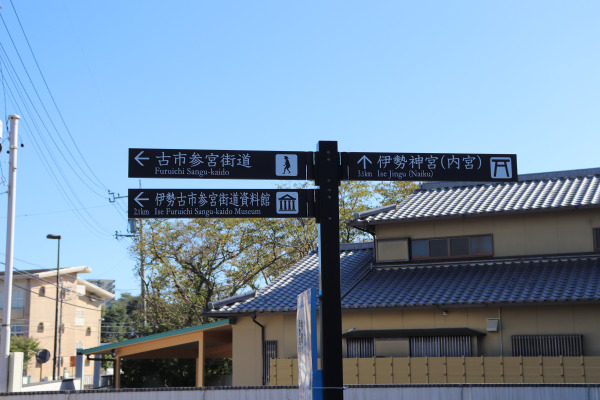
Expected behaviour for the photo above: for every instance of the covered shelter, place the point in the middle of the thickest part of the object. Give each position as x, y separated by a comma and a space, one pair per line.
211, 340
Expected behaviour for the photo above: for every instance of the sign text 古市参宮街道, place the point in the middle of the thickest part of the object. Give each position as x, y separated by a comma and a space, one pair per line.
219, 164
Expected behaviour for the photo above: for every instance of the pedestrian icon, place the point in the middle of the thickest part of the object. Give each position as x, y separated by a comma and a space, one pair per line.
287, 202
286, 165
501, 167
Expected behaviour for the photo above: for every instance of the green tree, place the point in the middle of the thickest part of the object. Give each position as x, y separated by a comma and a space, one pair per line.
120, 319
393, 192
27, 346
189, 263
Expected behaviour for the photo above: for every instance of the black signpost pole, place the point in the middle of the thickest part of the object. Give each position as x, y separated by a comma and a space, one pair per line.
330, 315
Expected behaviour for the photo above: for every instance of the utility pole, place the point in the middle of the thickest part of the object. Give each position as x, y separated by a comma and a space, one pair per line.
10, 242
60, 329
56, 326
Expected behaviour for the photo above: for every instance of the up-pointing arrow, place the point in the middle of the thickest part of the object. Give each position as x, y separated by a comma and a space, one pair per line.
139, 157
138, 198
364, 160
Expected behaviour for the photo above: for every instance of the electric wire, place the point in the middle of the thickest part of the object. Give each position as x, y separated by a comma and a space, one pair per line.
32, 276
52, 96
50, 118
87, 219
56, 212
54, 298
48, 168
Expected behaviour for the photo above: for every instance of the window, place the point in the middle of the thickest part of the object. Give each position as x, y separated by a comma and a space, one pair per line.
460, 246
440, 346
79, 318
547, 345
392, 250
438, 248
18, 330
18, 298
80, 289
269, 351
420, 248
360, 347
596, 239
454, 247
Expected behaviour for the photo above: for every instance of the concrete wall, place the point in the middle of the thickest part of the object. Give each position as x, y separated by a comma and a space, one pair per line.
514, 235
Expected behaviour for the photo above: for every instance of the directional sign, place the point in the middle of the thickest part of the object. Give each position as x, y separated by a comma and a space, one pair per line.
221, 203
429, 167
220, 164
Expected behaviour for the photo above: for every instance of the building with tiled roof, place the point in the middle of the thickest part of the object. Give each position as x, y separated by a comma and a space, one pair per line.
504, 274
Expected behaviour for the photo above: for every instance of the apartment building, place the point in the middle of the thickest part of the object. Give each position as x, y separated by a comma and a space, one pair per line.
34, 305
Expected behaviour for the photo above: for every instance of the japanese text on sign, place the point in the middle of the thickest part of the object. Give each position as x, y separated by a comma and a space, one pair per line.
219, 164
224, 203
411, 166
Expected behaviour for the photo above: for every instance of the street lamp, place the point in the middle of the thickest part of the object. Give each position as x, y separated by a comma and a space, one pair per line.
55, 366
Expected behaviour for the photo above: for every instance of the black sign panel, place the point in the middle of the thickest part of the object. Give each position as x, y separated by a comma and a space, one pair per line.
220, 164
221, 203
429, 167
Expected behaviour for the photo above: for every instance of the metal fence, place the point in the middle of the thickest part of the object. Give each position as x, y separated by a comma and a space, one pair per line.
547, 345
439, 346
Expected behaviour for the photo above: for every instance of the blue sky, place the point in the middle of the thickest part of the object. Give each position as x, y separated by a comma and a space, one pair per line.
432, 76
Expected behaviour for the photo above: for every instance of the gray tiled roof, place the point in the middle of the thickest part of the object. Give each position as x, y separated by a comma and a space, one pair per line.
520, 280
488, 199
281, 294
540, 280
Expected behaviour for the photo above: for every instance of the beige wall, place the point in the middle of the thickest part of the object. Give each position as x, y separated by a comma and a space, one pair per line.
514, 235
247, 366
527, 320
40, 308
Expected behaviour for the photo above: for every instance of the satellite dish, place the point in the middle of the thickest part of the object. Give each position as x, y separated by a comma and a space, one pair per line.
42, 356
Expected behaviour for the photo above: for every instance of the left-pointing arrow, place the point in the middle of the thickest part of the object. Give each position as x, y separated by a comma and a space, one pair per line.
138, 198
139, 157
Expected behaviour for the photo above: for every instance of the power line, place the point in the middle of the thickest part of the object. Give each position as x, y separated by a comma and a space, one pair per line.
42, 147
49, 168
48, 114
58, 212
62, 287
52, 97
54, 298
